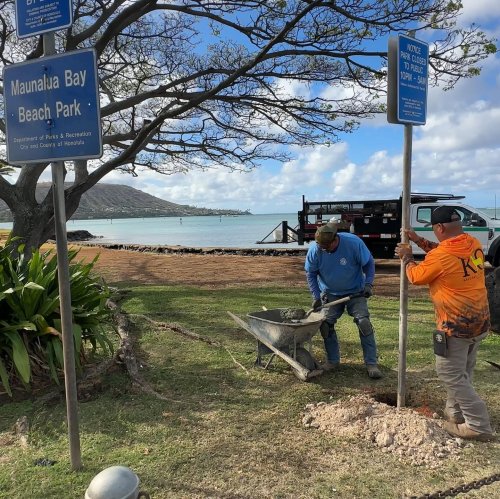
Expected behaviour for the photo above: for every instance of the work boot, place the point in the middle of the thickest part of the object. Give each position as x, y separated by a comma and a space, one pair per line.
330, 366
373, 371
463, 431
452, 417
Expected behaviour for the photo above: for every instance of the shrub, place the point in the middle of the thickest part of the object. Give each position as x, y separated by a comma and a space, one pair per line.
30, 317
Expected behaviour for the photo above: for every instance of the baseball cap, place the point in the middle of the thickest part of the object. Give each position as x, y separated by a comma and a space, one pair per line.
325, 234
444, 215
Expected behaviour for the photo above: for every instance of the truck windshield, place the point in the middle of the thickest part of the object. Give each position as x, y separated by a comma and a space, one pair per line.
469, 218
484, 215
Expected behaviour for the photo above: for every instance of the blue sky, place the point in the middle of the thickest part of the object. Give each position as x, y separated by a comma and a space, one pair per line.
457, 151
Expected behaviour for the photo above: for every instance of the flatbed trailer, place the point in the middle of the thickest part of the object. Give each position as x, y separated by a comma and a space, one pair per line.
378, 222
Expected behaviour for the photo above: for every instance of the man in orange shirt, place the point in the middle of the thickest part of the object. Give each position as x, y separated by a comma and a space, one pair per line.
454, 271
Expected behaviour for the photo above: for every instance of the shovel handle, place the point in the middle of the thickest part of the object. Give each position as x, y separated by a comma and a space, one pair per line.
334, 302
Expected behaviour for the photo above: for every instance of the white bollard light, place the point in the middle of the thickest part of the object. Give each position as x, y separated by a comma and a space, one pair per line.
116, 482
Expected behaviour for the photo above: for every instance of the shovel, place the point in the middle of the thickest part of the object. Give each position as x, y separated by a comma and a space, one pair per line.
330, 304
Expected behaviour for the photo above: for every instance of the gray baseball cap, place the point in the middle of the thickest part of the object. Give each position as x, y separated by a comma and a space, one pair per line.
325, 234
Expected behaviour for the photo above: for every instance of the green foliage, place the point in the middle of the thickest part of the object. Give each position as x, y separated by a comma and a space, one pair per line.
490, 48
454, 7
474, 71
30, 324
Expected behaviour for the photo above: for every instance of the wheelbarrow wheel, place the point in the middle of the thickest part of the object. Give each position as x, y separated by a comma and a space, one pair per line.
302, 356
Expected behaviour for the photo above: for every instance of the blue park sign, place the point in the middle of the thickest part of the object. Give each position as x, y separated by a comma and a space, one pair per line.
52, 108
408, 72
34, 17
413, 68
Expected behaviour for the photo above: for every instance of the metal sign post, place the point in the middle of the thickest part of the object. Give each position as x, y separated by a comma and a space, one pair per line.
65, 298
52, 114
408, 62
403, 282
66, 314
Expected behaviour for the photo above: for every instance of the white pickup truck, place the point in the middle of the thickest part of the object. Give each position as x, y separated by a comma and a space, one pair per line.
378, 222
476, 223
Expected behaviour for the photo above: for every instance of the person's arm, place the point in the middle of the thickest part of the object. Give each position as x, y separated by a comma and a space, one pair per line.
425, 244
312, 271
312, 282
421, 242
369, 270
425, 272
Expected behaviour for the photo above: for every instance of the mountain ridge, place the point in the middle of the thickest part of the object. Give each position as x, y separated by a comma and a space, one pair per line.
122, 201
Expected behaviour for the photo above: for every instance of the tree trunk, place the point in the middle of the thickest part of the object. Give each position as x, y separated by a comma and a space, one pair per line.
32, 226
33, 222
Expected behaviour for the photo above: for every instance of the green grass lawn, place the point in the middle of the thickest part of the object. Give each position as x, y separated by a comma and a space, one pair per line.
224, 431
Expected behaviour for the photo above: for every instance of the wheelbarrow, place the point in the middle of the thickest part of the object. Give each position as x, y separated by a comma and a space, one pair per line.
285, 338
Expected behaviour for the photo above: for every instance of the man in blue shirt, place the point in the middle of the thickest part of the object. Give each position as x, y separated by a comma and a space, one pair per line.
339, 265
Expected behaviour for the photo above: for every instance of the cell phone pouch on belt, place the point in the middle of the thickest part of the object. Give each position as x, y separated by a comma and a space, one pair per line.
439, 339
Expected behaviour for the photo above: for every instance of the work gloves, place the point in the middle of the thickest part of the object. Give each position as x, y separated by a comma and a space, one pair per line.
317, 304
368, 291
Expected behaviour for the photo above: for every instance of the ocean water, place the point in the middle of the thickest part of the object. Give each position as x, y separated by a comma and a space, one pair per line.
207, 231
202, 232
491, 212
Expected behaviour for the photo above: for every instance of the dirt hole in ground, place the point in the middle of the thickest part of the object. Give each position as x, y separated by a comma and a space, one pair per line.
391, 398
412, 436
386, 398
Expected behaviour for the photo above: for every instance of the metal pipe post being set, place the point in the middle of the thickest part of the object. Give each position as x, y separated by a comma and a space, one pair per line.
65, 295
403, 283
408, 61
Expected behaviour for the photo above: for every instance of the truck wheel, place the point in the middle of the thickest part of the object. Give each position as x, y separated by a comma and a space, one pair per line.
493, 288
496, 259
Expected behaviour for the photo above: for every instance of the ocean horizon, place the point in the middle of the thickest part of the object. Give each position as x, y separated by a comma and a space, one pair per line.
232, 231
236, 231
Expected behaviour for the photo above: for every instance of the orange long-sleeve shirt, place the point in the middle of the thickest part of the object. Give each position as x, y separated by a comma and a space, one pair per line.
454, 271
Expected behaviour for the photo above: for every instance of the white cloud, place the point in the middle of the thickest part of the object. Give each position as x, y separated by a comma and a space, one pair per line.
379, 176
476, 127
479, 10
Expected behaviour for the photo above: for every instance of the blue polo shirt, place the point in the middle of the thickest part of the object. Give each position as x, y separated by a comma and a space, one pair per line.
342, 272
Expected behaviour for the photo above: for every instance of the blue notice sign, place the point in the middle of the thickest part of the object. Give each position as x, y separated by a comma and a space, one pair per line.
34, 17
52, 108
412, 76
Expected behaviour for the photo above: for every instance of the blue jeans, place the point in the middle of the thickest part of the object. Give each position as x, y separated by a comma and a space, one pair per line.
358, 309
